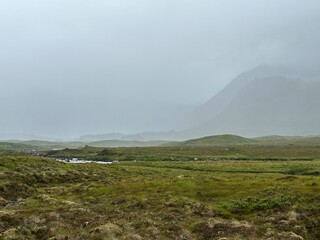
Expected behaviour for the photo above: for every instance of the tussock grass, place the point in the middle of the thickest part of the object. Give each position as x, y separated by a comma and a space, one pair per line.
237, 199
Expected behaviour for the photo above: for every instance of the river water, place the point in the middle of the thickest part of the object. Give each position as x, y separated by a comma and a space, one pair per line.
76, 160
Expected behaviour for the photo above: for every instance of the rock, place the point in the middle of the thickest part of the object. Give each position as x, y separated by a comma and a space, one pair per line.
85, 224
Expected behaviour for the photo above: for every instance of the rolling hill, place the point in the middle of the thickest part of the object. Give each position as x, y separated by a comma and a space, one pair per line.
16, 146
217, 140
231, 140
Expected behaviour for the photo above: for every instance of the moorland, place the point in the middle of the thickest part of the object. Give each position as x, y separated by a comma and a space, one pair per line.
221, 187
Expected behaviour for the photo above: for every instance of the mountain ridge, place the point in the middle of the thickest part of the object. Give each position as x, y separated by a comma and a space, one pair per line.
274, 104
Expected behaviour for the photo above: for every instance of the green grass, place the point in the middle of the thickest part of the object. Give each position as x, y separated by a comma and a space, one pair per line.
226, 140
238, 199
170, 153
7, 146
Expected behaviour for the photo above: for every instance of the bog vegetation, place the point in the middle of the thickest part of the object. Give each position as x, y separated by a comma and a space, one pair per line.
246, 191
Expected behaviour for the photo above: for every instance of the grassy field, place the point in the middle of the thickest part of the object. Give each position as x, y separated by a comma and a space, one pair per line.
169, 153
258, 196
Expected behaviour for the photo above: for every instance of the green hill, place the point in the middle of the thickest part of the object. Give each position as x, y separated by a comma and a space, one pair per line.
217, 140
46, 145
229, 139
16, 146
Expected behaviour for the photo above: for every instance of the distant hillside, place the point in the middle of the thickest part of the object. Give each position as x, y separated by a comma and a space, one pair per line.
118, 143
101, 137
292, 140
217, 140
21, 136
229, 139
218, 103
260, 103
16, 146
141, 137
46, 145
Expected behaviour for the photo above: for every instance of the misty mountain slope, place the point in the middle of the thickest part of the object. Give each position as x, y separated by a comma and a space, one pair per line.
220, 101
128, 143
141, 137
269, 105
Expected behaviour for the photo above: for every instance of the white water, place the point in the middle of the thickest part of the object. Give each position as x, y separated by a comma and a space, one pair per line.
76, 160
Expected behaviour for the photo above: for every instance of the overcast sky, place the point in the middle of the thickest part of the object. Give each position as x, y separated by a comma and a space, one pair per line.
72, 67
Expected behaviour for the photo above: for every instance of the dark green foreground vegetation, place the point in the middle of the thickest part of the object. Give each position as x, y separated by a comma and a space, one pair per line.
227, 152
247, 192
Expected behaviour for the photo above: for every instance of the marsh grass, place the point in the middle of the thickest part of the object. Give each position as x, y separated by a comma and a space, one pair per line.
236, 199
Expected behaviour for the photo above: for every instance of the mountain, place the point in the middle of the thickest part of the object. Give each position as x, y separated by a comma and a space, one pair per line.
264, 101
218, 103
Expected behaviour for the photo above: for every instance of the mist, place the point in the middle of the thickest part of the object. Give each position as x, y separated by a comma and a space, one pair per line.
69, 68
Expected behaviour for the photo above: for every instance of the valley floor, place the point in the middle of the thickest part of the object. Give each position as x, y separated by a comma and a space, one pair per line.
227, 199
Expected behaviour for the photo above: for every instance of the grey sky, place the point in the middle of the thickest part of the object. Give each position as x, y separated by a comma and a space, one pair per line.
71, 67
